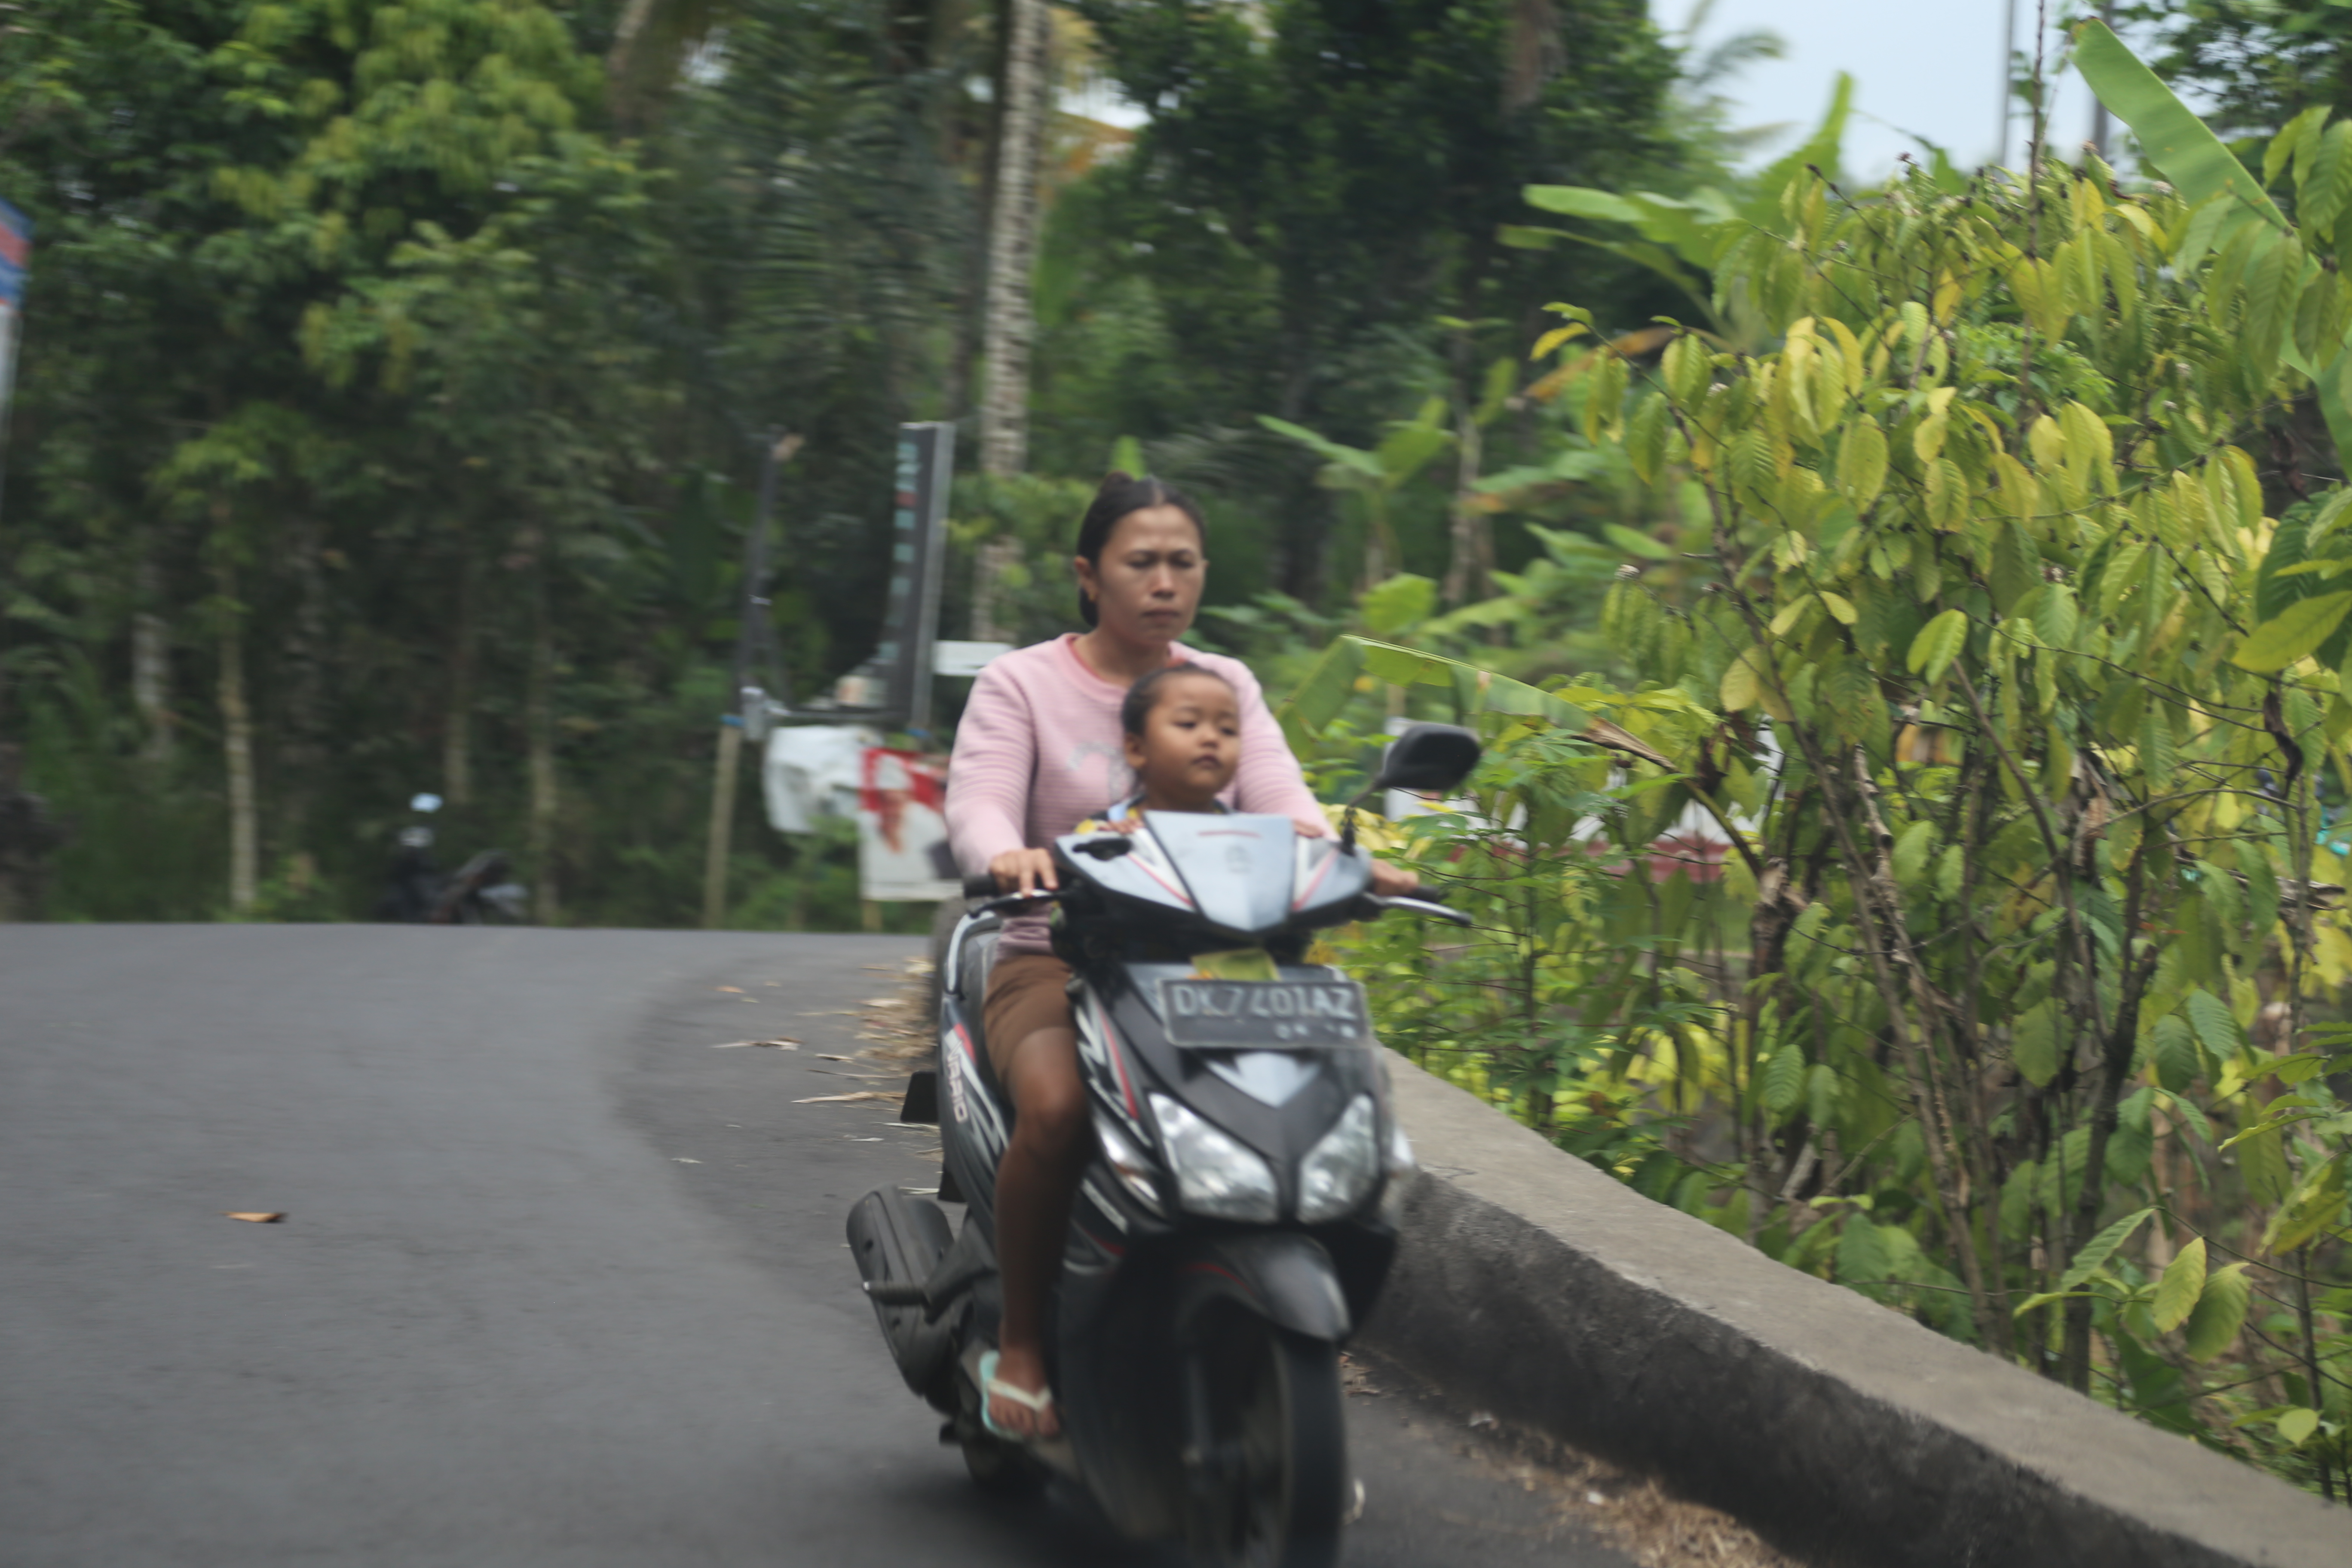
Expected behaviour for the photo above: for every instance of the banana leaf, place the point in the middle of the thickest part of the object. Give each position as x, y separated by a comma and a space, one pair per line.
2184, 149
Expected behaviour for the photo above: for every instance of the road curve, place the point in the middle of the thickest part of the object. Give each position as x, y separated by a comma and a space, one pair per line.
560, 1284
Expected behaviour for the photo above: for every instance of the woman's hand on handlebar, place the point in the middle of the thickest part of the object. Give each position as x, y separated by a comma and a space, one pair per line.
1024, 871
1392, 881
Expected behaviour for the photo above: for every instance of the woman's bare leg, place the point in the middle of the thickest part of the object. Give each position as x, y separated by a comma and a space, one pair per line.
1035, 1186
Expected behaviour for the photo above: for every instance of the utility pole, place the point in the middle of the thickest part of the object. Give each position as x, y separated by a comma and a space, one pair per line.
2008, 46
750, 629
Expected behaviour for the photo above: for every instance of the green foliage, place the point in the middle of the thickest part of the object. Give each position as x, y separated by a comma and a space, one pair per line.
2258, 63
1684, 239
2013, 706
366, 356
1313, 209
374, 371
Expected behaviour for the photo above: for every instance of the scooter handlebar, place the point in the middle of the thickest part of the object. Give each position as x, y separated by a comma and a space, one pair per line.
1380, 903
1014, 901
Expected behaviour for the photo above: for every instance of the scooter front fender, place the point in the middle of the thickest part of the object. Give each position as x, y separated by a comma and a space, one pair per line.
1282, 1277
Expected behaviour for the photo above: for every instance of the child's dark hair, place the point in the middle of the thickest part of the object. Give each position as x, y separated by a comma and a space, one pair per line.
1120, 494
1144, 695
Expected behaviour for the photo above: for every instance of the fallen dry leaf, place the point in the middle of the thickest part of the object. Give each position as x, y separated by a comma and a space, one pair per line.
882, 1001
731, 990
780, 1045
257, 1218
859, 1094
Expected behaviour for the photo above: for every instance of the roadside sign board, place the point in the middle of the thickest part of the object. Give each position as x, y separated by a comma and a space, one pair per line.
902, 828
965, 658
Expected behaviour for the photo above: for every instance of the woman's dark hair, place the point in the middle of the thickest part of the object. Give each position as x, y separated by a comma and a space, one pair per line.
1123, 493
1144, 695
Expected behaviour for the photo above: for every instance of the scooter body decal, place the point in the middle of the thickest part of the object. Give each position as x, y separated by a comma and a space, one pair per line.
1098, 1043
1109, 1209
968, 1097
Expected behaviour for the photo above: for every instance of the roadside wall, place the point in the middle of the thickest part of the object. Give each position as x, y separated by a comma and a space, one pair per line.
1557, 1297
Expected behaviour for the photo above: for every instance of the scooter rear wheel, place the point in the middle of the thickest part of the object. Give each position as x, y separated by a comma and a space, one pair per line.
1272, 1491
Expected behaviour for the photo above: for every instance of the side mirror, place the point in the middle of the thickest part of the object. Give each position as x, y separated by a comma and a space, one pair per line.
1429, 759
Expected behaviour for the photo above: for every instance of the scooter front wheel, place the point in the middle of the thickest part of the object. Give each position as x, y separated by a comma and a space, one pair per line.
1269, 1486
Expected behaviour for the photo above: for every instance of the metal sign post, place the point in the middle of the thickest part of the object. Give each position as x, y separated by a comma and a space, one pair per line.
926, 474
902, 835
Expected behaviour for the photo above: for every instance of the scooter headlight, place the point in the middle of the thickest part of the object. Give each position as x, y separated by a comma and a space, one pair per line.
1401, 1157
1215, 1175
1128, 1163
1340, 1170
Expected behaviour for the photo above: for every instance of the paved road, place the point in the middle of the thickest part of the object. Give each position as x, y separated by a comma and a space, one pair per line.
561, 1284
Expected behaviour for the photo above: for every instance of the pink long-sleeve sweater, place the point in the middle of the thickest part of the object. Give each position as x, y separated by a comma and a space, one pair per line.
1040, 750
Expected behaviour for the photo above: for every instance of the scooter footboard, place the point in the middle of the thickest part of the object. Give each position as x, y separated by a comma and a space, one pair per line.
1285, 1277
899, 1240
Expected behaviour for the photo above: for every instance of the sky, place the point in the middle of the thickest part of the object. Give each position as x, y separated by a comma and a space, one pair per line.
1928, 69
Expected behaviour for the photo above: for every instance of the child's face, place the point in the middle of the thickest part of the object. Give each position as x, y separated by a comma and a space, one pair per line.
1191, 741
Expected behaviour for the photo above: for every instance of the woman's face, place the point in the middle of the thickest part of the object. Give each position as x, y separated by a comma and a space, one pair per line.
1147, 583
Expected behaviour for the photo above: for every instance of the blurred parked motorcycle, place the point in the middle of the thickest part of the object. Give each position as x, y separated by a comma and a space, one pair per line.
480, 892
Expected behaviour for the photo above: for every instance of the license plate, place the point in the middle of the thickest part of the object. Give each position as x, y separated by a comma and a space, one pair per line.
1265, 1012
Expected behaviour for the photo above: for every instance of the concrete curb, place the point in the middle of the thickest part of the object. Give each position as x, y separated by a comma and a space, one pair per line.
1540, 1287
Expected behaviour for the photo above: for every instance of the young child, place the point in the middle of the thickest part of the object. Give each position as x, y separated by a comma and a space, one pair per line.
1183, 728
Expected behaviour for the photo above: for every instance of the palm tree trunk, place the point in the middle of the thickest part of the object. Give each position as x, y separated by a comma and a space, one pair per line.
1008, 325
237, 749
1474, 548
302, 755
150, 662
540, 719
624, 89
456, 724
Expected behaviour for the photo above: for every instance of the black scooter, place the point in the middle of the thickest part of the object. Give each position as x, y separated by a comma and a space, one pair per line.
1235, 1225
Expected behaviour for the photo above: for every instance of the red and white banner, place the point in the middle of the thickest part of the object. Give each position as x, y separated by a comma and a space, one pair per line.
902, 831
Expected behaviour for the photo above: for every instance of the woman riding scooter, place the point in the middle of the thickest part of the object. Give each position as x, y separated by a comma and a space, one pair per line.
1040, 748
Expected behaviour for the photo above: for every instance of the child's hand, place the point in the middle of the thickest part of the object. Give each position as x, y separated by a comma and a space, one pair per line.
1392, 881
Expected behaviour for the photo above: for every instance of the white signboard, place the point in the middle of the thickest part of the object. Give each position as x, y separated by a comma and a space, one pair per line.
949, 657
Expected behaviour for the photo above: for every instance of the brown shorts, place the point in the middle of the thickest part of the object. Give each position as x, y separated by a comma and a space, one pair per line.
1026, 992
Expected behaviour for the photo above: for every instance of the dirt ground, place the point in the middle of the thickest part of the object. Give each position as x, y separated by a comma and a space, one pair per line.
1644, 1520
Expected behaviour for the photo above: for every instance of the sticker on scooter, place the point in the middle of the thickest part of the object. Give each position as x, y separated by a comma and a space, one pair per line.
1263, 1012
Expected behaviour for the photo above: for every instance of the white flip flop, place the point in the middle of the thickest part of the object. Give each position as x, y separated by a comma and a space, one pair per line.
992, 1388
